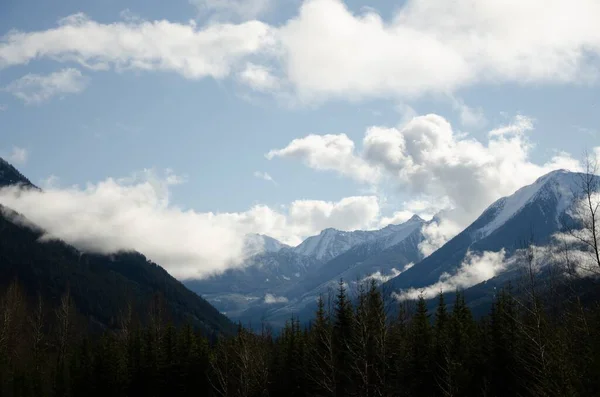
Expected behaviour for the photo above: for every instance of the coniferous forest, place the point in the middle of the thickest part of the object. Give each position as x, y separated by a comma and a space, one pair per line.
529, 344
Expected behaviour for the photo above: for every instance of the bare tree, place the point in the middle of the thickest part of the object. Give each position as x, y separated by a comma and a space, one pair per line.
586, 211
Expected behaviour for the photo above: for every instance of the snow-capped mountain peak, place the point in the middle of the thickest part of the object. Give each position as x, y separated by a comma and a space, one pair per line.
258, 243
558, 185
332, 242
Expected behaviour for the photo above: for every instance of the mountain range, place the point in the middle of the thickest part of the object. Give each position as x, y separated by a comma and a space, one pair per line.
286, 281
278, 281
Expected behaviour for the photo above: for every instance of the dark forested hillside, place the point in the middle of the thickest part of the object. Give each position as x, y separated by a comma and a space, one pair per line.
9, 175
529, 344
101, 286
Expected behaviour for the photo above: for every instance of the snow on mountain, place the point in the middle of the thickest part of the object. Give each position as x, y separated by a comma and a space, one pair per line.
533, 214
276, 269
330, 243
559, 185
258, 243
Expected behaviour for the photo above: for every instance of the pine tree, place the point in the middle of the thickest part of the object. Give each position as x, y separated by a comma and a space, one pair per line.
421, 356
462, 335
444, 362
503, 360
377, 340
321, 370
343, 330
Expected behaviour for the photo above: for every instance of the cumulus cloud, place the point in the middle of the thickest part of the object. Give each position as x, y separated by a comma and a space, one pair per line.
258, 77
135, 213
424, 208
18, 155
328, 152
475, 269
438, 47
454, 175
328, 52
36, 88
350, 213
211, 51
272, 299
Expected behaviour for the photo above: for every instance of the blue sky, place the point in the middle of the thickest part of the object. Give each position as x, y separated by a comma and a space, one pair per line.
206, 89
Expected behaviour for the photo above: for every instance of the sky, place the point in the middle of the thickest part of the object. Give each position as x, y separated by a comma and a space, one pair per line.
176, 129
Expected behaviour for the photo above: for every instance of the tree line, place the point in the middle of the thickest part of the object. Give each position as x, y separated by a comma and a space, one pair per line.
529, 344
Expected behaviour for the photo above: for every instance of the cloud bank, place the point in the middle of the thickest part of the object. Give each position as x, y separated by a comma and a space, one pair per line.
272, 299
475, 269
453, 175
135, 213
135, 44
327, 51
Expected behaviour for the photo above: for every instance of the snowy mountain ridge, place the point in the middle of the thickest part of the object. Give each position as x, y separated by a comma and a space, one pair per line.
559, 185
330, 243
533, 214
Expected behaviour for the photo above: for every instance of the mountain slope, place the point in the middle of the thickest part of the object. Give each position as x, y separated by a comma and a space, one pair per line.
291, 277
101, 285
236, 290
531, 215
331, 243
365, 259
396, 247
9, 175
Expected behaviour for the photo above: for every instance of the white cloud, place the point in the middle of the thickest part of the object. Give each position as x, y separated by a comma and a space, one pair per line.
271, 299
135, 213
18, 155
211, 51
309, 217
263, 175
438, 232
426, 159
3, 107
469, 117
425, 208
438, 47
51, 182
475, 269
382, 278
328, 152
407, 113
259, 78
232, 9
36, 88
519, 126
328, 52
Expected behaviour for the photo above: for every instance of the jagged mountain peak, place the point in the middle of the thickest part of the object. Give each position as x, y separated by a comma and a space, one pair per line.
559, 185
332, 242
415, 218
534, 213
258, 243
